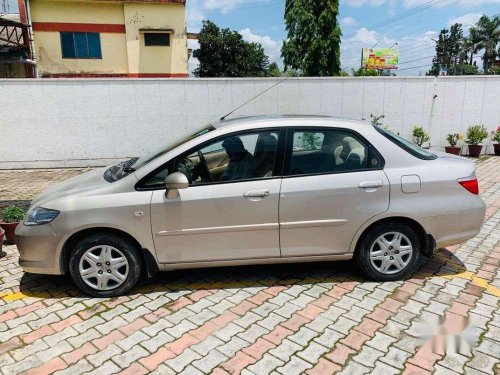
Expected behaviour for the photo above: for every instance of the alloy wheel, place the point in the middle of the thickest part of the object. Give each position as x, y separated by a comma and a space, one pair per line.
103, 267
391, 253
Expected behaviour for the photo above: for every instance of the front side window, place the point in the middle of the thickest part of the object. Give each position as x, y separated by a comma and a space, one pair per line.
76, 45
329, 151
231, 158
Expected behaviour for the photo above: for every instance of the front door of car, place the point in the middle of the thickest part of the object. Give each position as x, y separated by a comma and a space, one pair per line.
335, 183
230, 210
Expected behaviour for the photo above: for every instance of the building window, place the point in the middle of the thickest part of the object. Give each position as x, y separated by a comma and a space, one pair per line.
81, 45
157, 39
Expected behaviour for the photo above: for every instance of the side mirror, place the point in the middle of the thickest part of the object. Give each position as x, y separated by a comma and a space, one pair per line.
175, 182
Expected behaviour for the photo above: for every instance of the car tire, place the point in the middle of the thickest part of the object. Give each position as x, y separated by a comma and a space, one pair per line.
105, 265
381, 258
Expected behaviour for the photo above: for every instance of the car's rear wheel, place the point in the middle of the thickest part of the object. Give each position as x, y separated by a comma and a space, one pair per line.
105, 265
389, 251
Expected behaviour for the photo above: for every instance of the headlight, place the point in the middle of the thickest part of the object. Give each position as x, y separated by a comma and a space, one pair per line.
40, 215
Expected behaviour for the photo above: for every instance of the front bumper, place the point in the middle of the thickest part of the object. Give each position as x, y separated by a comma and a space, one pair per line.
39, 249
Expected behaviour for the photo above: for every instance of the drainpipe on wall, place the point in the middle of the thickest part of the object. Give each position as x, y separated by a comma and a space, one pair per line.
433, 104
32, 41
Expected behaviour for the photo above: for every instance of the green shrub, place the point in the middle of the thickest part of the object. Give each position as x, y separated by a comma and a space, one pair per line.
495, 135
476, 134
454, 138
420, 136
13, 214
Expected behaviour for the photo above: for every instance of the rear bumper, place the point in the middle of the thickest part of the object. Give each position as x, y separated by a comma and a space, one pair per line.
448, 230
39, 249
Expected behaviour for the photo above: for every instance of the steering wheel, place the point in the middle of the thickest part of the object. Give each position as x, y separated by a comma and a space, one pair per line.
203, 171
186, 167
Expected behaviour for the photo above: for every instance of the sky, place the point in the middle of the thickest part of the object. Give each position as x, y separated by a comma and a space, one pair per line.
363, 23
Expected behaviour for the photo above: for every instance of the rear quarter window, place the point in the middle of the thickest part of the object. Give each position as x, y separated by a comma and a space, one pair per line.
406, 145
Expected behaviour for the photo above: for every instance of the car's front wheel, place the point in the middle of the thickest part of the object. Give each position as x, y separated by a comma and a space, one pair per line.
389, 251
105, 265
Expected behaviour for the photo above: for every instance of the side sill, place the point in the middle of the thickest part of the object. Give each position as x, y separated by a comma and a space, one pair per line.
257, 261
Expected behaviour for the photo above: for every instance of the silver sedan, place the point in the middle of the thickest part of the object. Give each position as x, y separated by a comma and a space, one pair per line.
252, 191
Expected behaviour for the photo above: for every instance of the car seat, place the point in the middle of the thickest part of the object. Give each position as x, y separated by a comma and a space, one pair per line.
265, 154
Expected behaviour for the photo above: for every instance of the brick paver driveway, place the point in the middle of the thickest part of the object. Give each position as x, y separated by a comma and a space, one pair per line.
287, 319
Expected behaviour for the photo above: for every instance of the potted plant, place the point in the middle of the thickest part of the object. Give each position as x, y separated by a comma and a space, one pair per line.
420, 136
453, 140
495, 137
475, 135
12, 216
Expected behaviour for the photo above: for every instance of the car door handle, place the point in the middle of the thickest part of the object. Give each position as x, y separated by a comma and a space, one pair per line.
256, 194
370, 184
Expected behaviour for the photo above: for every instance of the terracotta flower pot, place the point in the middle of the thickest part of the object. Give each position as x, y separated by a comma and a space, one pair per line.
496, 147
475, 150
10, 229
453, 150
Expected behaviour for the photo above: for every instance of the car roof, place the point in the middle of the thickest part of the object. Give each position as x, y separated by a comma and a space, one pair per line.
284, 120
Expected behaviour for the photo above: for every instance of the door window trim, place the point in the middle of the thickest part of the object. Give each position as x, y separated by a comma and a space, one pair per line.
278, 166
289, 150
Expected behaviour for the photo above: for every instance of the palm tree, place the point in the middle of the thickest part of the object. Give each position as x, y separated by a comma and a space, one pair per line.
472, 44
488, 30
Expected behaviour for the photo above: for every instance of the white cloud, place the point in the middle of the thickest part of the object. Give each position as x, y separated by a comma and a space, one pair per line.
389, 42
348, 21
467, 20
192, 62
193, 19
365, 36
271, 47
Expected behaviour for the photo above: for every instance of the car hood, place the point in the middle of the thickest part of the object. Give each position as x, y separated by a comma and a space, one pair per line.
76, 185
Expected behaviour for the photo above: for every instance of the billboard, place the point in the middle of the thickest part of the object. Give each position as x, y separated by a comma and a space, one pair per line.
380, 58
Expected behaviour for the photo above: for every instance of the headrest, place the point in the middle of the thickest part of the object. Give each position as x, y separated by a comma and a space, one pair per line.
233, 145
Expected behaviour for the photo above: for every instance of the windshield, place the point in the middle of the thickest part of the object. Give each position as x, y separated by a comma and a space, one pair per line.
164, 149
406, 145
124, 168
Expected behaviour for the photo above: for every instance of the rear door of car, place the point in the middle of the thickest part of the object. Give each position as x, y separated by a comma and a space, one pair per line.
333, 183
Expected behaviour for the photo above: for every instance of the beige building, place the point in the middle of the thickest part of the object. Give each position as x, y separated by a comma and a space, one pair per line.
92, 38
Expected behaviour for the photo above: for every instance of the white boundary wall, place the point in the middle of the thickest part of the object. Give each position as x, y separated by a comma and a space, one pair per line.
68, 122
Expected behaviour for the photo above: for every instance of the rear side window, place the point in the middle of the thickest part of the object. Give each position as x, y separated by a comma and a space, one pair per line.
406, 145
330, 151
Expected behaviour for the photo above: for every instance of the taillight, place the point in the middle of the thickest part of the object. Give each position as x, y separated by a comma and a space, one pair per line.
471, 185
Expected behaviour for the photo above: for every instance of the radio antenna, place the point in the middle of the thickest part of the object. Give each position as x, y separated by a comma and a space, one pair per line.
255, 97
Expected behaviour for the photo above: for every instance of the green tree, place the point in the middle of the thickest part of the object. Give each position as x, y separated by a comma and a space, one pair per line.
273, 70
313, 43
472, 44
488, 30
494, 70
449, 50
365, 72
224, 53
